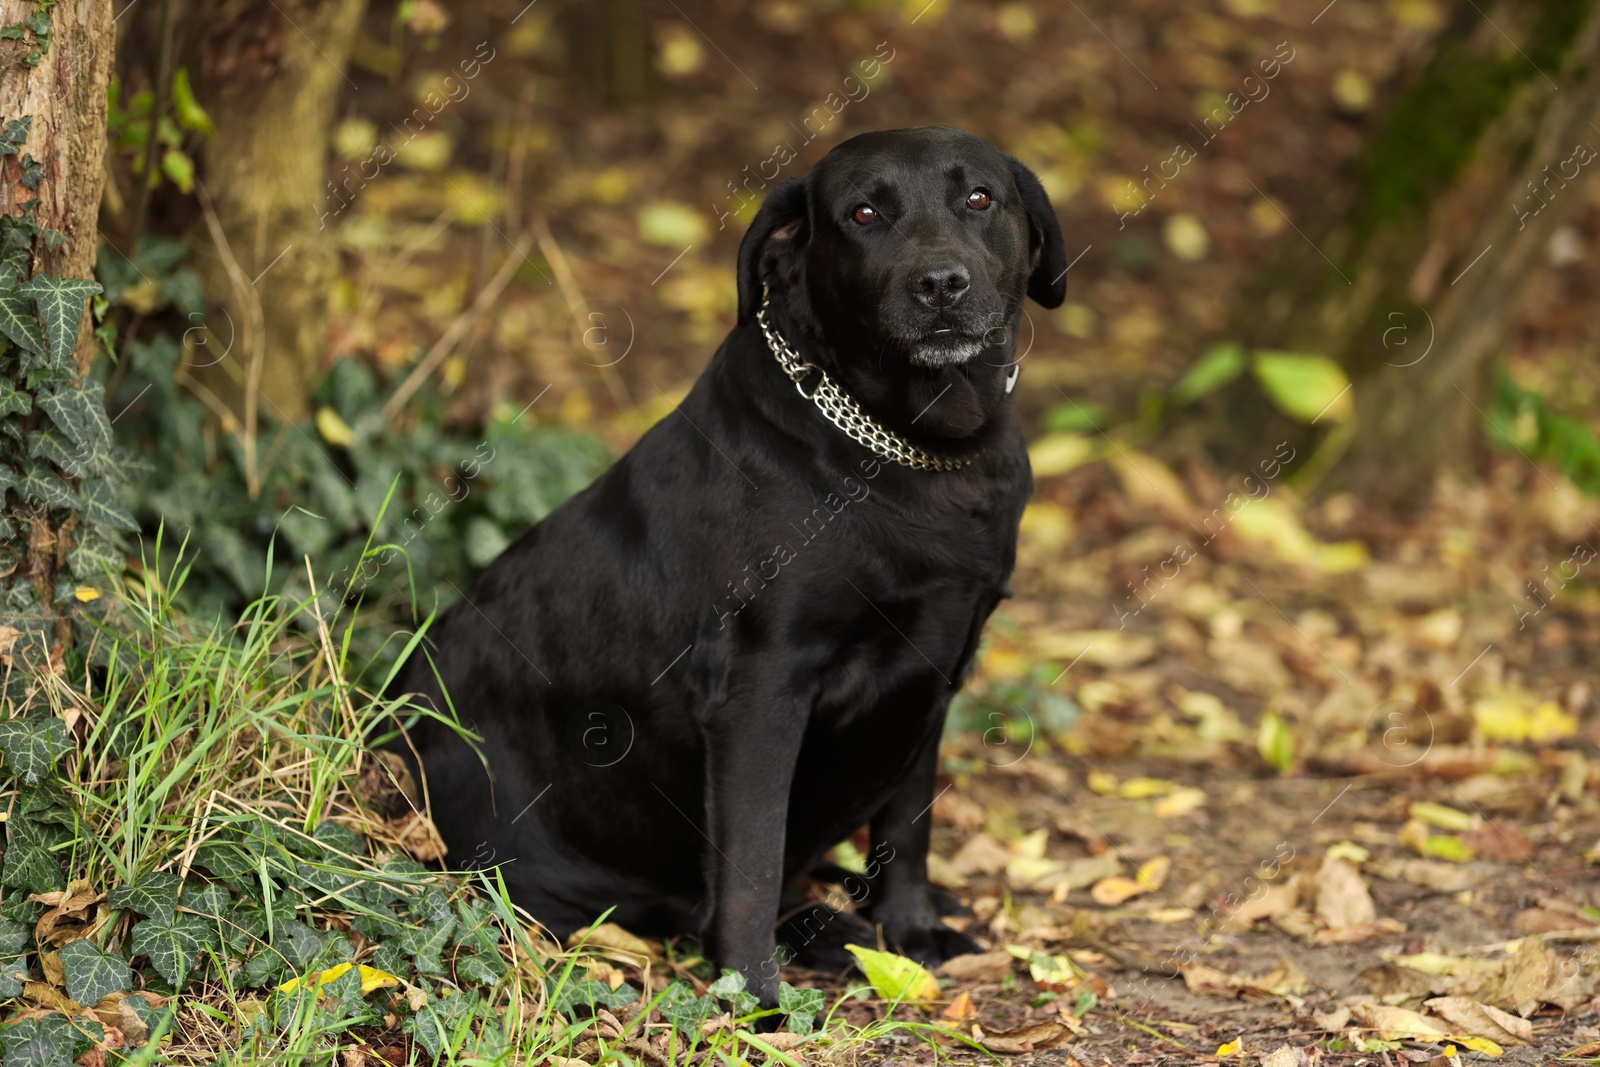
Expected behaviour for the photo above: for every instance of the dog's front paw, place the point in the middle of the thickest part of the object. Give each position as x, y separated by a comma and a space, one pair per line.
930, 944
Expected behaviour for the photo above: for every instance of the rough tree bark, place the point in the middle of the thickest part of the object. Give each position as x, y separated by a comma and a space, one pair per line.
1431, 255
64, 93
271, 77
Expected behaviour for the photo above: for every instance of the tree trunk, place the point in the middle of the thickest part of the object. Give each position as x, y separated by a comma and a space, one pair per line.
272, 75
66, 95
1415, 289
608, 51
55, 75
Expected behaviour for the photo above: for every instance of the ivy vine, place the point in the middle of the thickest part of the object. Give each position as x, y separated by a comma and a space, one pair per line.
58, 466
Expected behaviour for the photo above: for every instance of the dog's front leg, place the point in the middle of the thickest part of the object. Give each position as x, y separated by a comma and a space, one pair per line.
903, 899
751, 752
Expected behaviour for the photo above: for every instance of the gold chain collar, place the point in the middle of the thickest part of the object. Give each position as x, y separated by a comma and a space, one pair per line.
841, 409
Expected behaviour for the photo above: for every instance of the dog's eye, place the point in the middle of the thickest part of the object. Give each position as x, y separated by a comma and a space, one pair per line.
864, 214
978, 200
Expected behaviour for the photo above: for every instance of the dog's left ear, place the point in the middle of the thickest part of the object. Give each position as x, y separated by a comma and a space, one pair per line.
772, 245
1047, 277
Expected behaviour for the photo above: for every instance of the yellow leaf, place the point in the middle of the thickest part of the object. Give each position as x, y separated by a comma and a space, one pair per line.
1058, 453
1348, 850
895, 977
1047, 527
1182, 802
1115, 890
371, 978
1232, 1048
1307, 387
1149, 482
1153, 873
1143, 788
1445, 818
670, 223
1550, 723
1480, 1044
1031, 846
1102, 782
333, 429
1504, 718
1447, 847
86, 593
1429, 962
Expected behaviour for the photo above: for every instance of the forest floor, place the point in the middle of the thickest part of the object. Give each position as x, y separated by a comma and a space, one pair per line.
1286, 804
1232, 778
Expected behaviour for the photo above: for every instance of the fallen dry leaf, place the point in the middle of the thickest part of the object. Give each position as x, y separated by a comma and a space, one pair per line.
416, 834
609, 938
1033, 1038
1207, 981
1482, 1020
1342, 899
981, 854
959, 1009
1115, 890
1396, 1024
1277, 900
1429, 874
978, 966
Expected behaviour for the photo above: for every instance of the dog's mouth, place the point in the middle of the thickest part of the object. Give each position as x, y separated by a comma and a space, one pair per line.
945, 346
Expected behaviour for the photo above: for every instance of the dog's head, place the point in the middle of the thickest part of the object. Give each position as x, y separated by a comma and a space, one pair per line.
908, 250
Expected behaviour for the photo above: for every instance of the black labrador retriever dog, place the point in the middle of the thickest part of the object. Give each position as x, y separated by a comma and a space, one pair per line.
737, 646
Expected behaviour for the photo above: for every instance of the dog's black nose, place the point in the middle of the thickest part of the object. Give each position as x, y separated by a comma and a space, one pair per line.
941, 287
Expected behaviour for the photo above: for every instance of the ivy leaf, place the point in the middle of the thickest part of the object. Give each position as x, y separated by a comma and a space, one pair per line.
302, 946
801, 1006
14, 401
440, 1020
80, 412
18, 322
92, 556
43, 487
425, 944
15, 938
100, 505
730, 987
171, 943
480, 970
16, 135
13, 265
154, 895
42, 1042
60, 302
31, 867
682, 1008
14, 978
32, 746
50, 445
210, 900
92, 973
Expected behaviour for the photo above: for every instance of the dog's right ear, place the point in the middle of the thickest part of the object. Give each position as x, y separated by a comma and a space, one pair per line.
773, 245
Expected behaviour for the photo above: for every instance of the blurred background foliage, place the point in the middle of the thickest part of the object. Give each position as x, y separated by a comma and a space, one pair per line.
353, 247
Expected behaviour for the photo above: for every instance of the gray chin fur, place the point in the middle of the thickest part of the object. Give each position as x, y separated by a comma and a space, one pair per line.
945, 353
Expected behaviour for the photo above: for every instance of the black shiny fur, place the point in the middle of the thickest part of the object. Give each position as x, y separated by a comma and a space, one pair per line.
738, 645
